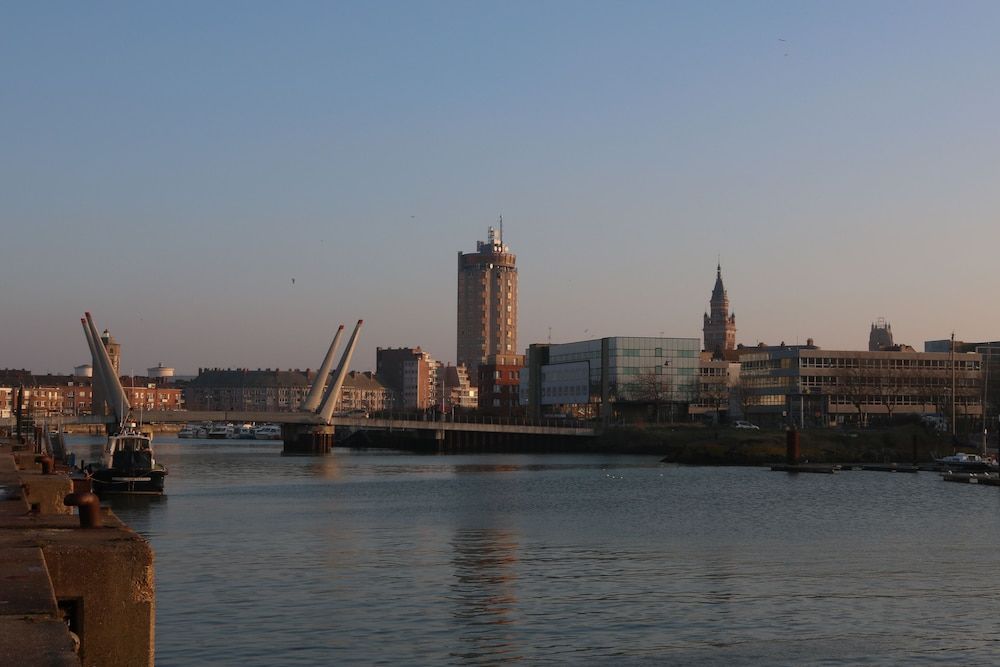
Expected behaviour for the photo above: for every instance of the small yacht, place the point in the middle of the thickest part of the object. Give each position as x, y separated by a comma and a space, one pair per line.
267, 432
220, 431
965, 462
244, 432
189, 431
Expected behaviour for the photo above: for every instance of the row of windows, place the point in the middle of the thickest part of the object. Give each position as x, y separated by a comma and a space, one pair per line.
752, 364
790, 384
904, 399
890, 363
565, 391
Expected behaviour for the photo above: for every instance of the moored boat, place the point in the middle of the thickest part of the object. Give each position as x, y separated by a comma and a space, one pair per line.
243, 432
964, 462
219, 431
267, 432
128, 465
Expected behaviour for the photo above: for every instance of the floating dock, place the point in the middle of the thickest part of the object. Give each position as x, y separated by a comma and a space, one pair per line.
822, 468
891, 467
984, 478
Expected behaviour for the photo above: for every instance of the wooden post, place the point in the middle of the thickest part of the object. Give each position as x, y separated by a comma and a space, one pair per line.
792, 451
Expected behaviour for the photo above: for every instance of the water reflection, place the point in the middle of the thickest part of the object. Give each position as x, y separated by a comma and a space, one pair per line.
392, 558
487, 467
326, 467
133, 504
484, 594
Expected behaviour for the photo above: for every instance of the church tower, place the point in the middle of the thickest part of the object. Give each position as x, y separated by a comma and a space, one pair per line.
720, 326
880, 337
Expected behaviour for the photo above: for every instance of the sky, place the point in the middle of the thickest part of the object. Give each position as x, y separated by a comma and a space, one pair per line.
222, 184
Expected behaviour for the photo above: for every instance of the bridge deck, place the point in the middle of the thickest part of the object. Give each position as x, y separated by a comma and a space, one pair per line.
311, 419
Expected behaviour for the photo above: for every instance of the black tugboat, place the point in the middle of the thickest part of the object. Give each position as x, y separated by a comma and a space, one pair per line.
129, 466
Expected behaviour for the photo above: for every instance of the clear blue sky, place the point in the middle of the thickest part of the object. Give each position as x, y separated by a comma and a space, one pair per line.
171, 167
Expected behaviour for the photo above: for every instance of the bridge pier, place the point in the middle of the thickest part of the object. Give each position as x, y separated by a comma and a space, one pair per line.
306, 440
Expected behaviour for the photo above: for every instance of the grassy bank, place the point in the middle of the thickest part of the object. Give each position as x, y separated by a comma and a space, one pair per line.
729, 446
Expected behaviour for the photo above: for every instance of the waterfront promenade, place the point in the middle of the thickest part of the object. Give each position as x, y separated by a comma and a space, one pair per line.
69, 594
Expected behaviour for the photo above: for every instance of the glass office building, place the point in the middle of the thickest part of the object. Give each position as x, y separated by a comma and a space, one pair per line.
611, 370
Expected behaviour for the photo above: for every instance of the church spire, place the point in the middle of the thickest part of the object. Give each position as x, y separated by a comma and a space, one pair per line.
719, 291
719, 326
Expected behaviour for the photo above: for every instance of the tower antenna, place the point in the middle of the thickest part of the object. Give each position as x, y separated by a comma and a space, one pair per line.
501, 231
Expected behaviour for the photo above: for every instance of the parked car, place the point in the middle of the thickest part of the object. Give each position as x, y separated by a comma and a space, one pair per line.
744, 424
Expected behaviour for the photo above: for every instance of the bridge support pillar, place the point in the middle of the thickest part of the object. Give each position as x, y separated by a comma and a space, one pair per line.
302, 440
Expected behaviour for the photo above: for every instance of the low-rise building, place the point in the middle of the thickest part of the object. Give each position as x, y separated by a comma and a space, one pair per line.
806, 385
273, 390
420, 382
713, 399
61, 395
499, 383
362, 392
267, 390
458, 390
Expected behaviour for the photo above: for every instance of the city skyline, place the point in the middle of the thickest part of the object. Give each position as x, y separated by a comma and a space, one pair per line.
225, 191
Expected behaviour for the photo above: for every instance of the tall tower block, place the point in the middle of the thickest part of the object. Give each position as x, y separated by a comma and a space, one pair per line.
719, 326
487, 302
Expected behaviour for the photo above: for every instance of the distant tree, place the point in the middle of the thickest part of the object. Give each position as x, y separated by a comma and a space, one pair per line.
713, 392
653, 388
744, 396
854, 386
887, 386
991, 387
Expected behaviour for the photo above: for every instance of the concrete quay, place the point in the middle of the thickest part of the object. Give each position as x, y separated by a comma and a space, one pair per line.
69, 595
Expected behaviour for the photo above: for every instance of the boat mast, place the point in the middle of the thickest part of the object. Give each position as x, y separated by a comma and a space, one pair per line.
987, 354
953, 429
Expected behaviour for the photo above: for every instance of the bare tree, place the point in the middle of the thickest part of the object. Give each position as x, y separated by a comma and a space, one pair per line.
653, 388
853, 385
887, 386
713, 391
744, 396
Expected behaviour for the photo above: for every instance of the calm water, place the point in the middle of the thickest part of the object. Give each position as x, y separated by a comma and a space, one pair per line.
392, 558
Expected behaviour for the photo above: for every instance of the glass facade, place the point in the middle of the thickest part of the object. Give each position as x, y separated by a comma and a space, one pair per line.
635, 366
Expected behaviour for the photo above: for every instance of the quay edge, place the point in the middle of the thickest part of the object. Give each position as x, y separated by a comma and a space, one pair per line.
68, 595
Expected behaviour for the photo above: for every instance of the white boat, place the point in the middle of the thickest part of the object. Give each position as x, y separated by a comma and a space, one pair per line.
189, 431
244, 432
267, 432
219, 431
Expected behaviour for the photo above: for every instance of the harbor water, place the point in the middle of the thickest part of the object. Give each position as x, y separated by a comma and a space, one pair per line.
368, 557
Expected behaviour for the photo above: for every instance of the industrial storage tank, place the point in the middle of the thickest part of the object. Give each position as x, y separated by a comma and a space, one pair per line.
160, 371
83, 371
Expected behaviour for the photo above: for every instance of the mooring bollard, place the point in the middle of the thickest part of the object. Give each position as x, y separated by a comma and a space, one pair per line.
792, 447
89, 507
47, 464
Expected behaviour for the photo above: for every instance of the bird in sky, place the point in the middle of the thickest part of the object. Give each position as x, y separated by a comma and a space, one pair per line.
293, 281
